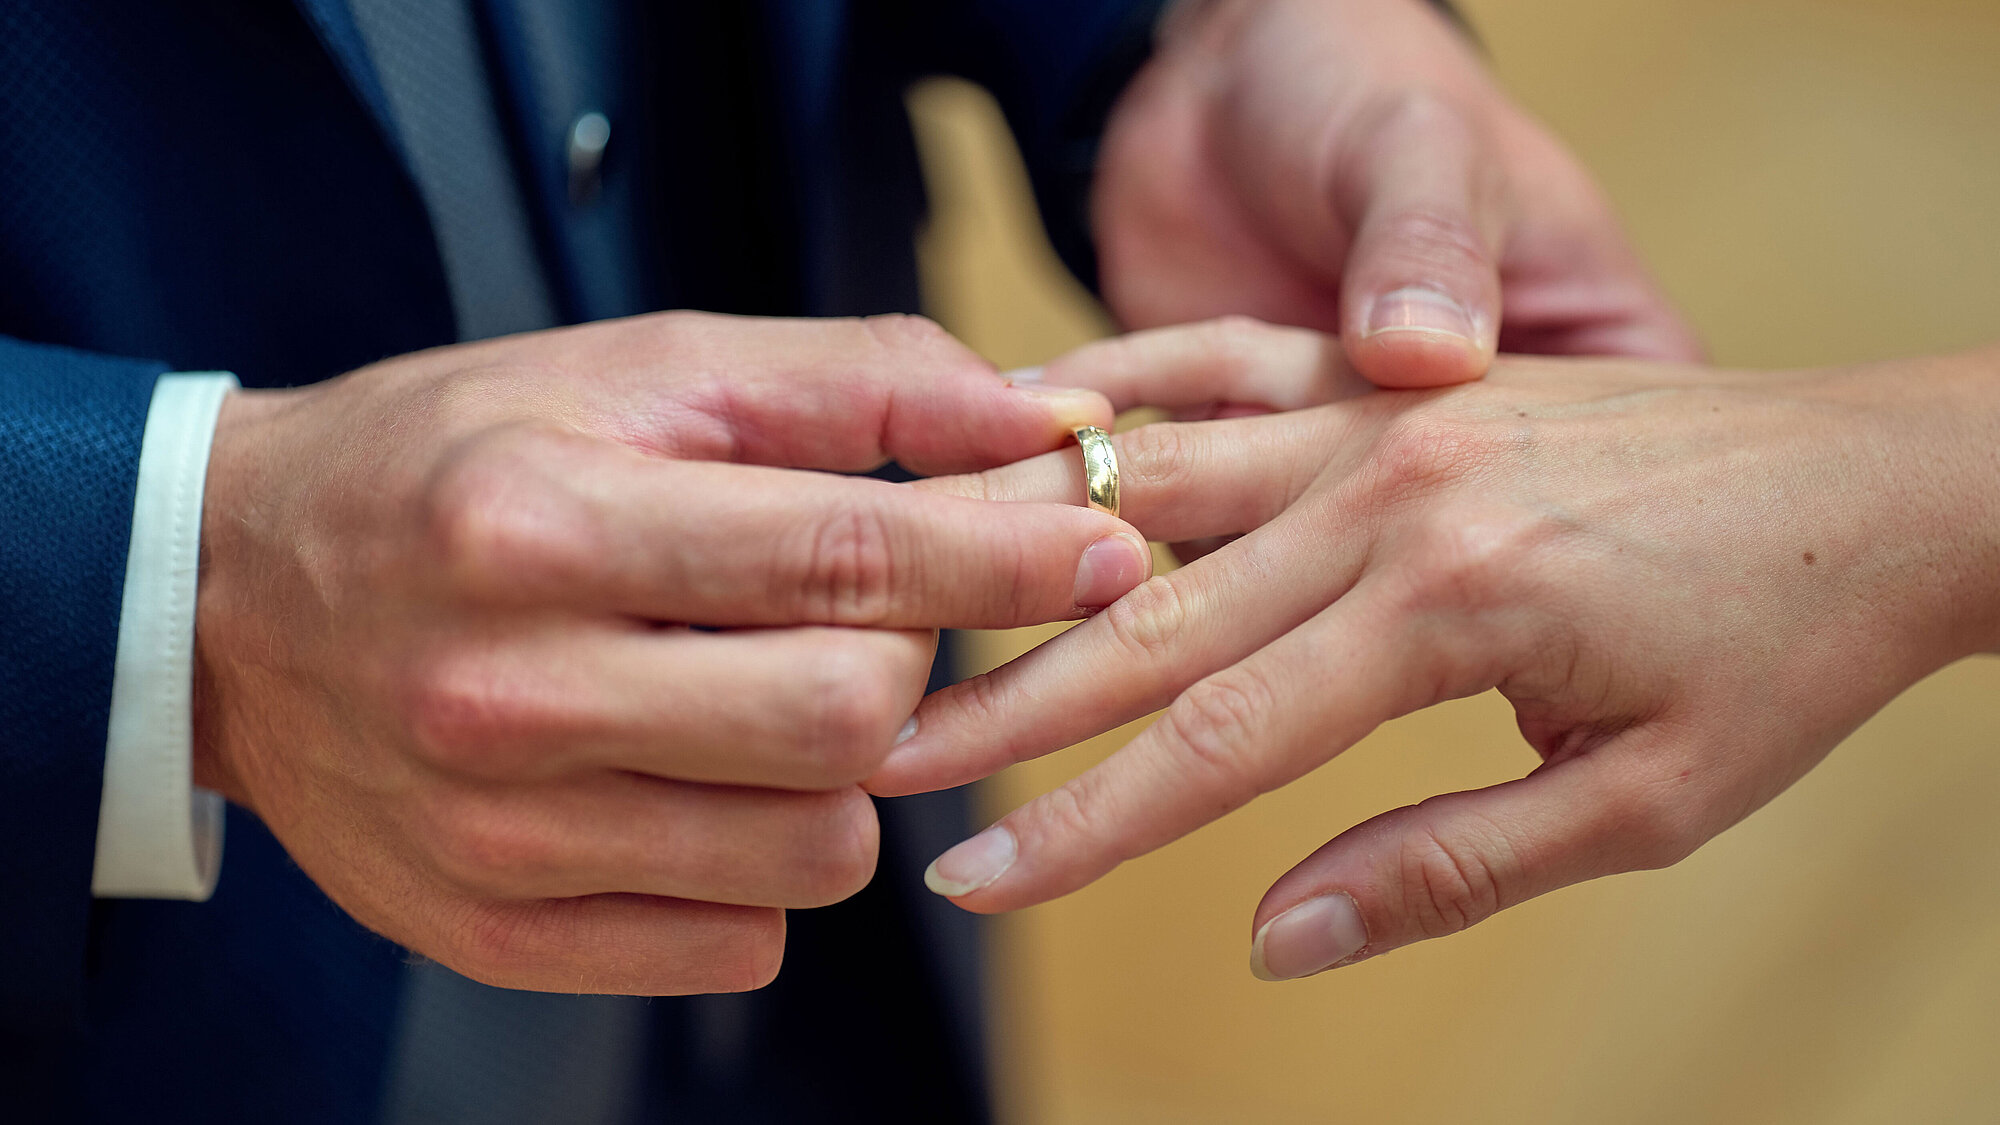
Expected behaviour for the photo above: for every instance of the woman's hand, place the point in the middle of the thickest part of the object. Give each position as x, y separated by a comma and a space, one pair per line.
1690, 584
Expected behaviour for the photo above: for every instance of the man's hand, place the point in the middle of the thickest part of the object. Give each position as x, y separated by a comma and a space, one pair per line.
536, 664
1690, 584
1349, 165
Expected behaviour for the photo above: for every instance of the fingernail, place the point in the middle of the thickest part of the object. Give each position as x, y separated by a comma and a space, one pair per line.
1023, 375
1069, 407
972, 864
1316, 934
1416, 308
908, 732
1077, 393
1109, 569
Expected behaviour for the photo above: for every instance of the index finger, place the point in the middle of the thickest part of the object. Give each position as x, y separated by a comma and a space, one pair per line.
573, 521
843, 395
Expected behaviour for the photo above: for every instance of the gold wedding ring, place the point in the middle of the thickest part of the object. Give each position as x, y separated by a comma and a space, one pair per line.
1100, 469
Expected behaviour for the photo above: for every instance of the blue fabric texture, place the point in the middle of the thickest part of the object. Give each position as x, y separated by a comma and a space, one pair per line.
213, 185
69, 454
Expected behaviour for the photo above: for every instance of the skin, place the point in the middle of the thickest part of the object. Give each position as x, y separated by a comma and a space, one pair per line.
445, 643
1351, 166
1690, 583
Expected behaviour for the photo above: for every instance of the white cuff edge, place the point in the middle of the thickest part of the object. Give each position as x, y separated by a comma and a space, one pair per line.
158, 836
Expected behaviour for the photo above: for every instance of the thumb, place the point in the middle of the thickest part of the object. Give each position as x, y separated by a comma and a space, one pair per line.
1439, 867
1420, 293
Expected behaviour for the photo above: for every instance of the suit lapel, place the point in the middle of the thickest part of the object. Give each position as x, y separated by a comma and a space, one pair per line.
334, 24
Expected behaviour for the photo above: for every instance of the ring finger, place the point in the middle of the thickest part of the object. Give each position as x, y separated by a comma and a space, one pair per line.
614, 832
1130, 660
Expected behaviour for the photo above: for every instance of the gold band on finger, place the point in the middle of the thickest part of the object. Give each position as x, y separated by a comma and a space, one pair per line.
1100, 469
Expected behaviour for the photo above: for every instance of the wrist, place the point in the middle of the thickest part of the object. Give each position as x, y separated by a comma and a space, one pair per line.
235, 493
1982, 460
1977, 383
1951, 454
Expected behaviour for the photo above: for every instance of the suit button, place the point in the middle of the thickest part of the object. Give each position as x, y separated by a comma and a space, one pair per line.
588, 135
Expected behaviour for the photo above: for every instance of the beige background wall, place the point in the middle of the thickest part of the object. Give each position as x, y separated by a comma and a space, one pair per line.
1817, 181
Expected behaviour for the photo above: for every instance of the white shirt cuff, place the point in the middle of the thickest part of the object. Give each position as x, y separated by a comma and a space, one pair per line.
158, 836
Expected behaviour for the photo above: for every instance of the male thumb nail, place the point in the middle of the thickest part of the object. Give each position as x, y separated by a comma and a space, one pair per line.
1109, 569
1071, 406
1419, 308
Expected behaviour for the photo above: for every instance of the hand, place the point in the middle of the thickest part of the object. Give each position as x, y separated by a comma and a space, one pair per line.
1350, 165
1689, 583
457, 638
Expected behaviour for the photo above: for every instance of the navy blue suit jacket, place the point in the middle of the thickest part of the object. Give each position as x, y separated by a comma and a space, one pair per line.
215, 185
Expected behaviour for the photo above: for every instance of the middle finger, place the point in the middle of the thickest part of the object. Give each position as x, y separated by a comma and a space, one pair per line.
805, 708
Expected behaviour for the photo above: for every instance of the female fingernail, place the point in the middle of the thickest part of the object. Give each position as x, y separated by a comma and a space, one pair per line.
1023, 375
1060, 394
1109, 569
972, 864
1418, 309
1316, 934
1069, 407
908, 732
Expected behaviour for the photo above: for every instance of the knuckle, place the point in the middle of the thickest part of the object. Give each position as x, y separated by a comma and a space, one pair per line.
1150, 619
1158, 461
497, 943
1235, 329
1428, 231
1070, 813
683, 332
908, 332
852, 714
848, 571
982, 701
1087, 821
1016, 575
1653, 831
840, 859
1234, 342
492, 519
1215, 723
1424, 450
1419, 121
484, 849
1445, 886
686, 320
459, 713
1472, 561
905, 329
1425, 111
753, 956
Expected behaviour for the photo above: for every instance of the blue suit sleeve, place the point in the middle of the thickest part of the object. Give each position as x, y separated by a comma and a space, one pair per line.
70, 429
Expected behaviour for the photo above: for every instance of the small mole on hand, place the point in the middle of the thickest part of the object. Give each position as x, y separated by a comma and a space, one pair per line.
1809, 557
